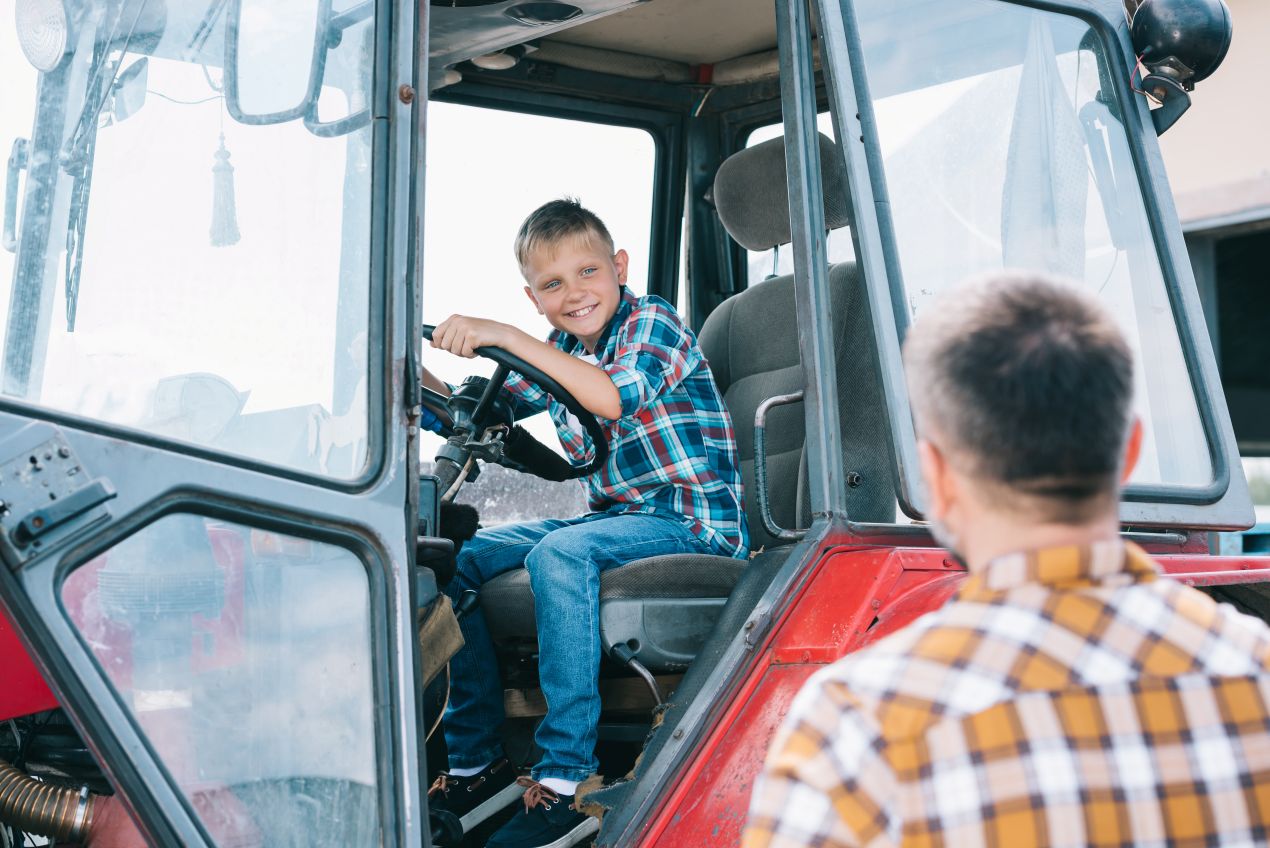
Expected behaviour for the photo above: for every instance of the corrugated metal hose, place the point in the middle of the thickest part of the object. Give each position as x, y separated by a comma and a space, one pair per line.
35, 807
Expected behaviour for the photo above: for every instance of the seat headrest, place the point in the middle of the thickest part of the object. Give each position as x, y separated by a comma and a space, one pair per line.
752, 198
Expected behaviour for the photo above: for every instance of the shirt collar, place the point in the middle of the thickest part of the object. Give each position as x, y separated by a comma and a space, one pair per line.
1110, 563
570, 343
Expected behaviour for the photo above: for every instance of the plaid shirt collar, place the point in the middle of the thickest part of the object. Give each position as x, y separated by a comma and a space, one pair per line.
607, 344
1109, 563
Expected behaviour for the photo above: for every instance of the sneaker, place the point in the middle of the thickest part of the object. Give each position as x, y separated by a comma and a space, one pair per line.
477, 797
547, 821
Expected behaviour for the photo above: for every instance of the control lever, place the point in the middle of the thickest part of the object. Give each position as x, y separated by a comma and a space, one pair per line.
469, 600
432, 548
625, 654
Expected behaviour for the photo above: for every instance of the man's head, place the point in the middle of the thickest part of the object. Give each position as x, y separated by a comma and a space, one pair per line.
1022, 389
572, 273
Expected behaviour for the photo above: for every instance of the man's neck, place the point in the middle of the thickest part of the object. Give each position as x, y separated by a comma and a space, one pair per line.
996, 535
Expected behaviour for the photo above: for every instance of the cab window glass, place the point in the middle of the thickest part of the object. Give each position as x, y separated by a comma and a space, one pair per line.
1257, 470
487, 170
762, 264
244, 657
176, 270
1001, 150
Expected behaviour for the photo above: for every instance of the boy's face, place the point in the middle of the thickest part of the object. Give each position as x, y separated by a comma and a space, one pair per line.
577, 285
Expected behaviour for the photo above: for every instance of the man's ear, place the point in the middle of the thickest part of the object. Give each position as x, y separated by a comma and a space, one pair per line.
620, 262
1132, 450
529, 293
934, 467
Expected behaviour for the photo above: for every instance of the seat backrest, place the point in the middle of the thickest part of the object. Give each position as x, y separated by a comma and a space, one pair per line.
751, 343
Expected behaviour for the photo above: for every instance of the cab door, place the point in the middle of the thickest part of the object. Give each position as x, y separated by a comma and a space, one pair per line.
208, 472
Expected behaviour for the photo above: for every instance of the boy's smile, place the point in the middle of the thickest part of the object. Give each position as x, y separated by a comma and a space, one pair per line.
577, 285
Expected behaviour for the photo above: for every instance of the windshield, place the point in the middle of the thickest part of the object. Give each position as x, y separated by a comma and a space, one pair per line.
180, 266
1004, 147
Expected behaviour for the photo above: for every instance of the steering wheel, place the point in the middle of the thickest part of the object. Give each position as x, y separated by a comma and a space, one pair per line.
508, 362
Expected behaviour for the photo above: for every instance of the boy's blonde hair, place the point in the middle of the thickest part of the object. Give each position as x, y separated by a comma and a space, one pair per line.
555, 221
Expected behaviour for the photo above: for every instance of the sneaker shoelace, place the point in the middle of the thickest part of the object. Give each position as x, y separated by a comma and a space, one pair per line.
537, 795
441, 784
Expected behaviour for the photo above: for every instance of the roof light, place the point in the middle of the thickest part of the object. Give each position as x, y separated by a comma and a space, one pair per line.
496, 61
449, 77
542, 13
43, 32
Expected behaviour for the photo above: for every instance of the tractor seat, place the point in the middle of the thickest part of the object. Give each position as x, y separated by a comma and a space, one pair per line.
663, 608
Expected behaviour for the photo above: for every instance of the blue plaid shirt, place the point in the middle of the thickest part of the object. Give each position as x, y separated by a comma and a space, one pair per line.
673, 451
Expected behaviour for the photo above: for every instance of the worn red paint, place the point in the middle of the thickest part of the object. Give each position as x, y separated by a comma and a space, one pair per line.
22, 687
217, 641
853, 596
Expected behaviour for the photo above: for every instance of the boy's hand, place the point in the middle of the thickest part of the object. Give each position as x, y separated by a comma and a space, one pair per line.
461, 335
592, 388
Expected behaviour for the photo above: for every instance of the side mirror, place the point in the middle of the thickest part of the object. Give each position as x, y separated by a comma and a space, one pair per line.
128, 94
273, 58
346, 66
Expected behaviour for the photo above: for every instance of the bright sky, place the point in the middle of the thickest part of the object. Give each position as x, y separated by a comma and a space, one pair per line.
475, 208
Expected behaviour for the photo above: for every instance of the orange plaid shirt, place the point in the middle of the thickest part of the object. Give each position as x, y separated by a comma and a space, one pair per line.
1065, 697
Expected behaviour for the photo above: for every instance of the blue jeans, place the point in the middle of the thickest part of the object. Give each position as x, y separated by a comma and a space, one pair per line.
565, 559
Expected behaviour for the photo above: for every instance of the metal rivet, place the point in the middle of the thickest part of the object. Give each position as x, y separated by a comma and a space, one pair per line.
854, 480
64, 452
678, 734
406, 93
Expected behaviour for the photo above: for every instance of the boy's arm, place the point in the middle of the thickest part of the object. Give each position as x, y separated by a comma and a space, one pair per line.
432, 381
589, 385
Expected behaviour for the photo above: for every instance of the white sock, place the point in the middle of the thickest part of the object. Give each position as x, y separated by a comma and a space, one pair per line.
468, 772
558, 785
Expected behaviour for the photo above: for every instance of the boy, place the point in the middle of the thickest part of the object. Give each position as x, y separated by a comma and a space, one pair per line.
672, 485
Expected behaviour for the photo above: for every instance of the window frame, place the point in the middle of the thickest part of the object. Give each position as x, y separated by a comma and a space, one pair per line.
663, 126
1223, 502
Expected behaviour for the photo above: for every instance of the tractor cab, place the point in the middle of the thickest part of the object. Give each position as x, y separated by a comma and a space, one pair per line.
228, 226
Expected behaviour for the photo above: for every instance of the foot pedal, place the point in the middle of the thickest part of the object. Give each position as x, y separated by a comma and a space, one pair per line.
578, 834
505, 798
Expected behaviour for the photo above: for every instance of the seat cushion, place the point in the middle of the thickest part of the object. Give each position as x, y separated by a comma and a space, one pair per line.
508, 603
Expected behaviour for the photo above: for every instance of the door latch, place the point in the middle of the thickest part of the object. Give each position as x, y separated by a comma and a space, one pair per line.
46, 494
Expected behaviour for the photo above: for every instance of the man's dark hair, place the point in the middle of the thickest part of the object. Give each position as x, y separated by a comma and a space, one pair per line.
1030, 382
555, 221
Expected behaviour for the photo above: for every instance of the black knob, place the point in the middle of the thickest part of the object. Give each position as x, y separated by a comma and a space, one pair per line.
469, 600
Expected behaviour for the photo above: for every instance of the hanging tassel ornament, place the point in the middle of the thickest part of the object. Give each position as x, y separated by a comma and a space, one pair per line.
224, 214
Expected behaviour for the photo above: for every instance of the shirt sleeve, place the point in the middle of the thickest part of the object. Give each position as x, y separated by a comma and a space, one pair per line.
527, 399
812, 790
655, 353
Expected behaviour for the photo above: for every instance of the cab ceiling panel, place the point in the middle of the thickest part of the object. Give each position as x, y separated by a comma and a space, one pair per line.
699, 32
464, 29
